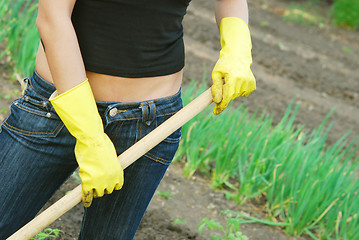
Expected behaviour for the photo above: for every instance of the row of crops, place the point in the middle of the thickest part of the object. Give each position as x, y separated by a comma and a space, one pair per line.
310, 188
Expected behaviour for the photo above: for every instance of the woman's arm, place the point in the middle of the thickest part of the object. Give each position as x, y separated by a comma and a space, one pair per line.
59, 38
231, 8
100, 171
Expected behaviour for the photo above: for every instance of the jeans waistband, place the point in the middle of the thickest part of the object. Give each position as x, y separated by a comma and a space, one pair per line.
145, 110
114, 110
40, 85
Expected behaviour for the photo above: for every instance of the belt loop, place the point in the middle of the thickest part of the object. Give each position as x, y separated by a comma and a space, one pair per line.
25, 83
143, 109
152, 111
148, 112
26, 80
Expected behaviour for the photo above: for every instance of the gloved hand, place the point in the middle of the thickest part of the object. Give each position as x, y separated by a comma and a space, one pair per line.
232, 76
100, 170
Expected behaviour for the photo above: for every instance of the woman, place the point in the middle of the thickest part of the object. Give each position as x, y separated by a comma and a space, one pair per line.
107, 73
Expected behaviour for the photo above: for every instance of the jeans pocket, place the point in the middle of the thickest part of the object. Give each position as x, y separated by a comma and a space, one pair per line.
165, 151
32, 120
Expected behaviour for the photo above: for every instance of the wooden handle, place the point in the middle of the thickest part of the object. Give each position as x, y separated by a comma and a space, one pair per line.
126, 158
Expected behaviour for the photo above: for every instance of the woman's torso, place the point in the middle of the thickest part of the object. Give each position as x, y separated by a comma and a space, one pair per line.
113, 88
132, 51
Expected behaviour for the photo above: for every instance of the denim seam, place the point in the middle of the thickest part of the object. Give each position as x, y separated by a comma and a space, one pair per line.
157, 159
137, 118
167, 113
31, 101
140, 133
144, 112
152, 113
33, 112
124, 119
172, 141
118, 130
34, 134
155, 122
154, 109
137, 124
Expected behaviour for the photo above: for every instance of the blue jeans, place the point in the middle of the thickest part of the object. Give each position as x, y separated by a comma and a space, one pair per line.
37, 156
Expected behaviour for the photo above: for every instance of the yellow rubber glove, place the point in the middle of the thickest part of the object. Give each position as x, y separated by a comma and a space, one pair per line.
100, 170
232, 76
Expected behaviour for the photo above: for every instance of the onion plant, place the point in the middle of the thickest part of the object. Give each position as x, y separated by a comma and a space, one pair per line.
19, 32
310, 187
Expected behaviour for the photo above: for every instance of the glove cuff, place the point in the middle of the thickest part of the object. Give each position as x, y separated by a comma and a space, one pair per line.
78, 111
235, 33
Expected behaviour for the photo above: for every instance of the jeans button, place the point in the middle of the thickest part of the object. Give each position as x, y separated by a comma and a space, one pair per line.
113, 112
48, 115
44, 104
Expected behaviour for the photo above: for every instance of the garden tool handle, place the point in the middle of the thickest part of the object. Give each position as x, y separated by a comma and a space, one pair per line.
126, 158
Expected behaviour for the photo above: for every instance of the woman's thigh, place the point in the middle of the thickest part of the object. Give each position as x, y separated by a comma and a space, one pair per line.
36, 157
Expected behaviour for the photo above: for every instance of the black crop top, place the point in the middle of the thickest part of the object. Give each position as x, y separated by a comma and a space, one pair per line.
131, 38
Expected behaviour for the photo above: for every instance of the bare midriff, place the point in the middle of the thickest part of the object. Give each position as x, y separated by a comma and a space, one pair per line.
113, 88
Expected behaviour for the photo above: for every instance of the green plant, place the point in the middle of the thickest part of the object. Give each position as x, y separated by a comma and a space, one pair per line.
264, 24
346, 13
18, 30
47, 233
193, 134
180, 221
309, 186
229, 232
165, 195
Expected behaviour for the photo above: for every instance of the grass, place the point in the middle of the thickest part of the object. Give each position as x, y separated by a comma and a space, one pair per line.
310, 187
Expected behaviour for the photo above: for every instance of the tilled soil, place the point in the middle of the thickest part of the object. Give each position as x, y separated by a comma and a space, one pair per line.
316, 66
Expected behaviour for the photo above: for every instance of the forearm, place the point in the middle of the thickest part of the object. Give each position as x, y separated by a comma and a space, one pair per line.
62, 50
231, 8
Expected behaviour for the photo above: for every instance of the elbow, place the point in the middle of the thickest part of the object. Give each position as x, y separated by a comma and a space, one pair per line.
54, 15
49, 24
43, 24
39, 23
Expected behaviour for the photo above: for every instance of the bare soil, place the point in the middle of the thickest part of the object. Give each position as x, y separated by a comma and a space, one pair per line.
316, 66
